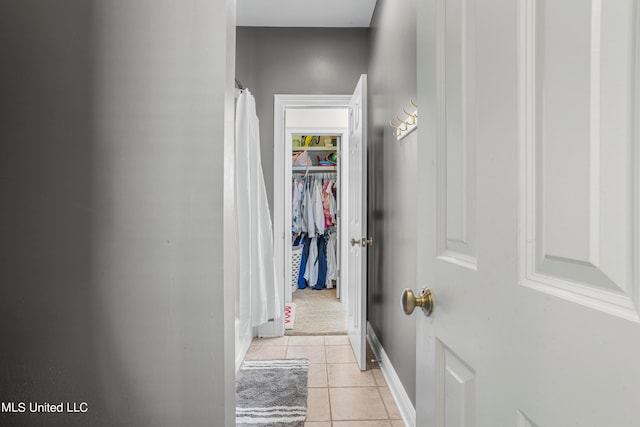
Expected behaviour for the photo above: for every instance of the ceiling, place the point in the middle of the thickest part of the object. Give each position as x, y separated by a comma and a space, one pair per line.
305, 13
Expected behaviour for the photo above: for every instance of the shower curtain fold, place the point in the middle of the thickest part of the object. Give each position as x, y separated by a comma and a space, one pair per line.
258, 271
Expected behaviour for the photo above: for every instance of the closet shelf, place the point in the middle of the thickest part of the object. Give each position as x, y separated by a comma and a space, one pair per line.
315, 148
314, 168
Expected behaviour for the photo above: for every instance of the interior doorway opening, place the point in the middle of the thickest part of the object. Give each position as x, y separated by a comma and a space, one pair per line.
351, 172
313, 301
309, 157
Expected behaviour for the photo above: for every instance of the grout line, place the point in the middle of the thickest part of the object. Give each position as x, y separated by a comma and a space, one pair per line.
327, 378
329, 400
384, 405
329, 387
327, 372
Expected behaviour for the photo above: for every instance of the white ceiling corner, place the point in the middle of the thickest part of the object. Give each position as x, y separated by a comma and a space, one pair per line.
305, 13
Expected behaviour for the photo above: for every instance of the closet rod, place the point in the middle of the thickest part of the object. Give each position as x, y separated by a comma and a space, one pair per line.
314, 169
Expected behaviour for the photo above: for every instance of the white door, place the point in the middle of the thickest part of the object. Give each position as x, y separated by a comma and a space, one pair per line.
529, 213
355, 197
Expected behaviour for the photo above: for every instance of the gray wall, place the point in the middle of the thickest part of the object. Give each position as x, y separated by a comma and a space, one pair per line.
392, 184
305, 61
114, 118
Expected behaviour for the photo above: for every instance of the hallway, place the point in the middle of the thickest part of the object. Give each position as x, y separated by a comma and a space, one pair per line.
340, 395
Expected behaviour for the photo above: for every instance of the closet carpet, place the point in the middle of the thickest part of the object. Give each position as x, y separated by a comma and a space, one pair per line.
318, 313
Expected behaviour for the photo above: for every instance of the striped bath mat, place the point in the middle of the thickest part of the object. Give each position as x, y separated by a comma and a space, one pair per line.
272, 393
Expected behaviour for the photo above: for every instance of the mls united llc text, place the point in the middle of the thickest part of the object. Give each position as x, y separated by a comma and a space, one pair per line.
44, 407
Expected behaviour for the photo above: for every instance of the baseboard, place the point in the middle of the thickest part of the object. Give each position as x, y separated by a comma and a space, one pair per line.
398, 392
272, 328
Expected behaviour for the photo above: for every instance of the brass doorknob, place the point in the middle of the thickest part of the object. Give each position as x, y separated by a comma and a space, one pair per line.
410, 301
363, 242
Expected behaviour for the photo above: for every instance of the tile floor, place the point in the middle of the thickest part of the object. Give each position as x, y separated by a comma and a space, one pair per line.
340, 395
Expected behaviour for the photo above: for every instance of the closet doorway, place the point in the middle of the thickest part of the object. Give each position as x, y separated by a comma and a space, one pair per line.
313, 303
330, 161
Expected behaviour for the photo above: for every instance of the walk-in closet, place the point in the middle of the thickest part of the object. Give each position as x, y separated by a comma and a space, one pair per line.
315, 307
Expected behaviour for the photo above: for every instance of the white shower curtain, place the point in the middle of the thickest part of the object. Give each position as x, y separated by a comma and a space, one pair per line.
256, 256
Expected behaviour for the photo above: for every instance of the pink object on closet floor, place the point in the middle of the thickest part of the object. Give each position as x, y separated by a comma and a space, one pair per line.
289, 315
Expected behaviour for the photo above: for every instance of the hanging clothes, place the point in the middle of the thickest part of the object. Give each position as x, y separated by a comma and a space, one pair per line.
314, 205
297, 219
311, 271
332, 259
314, 209
320, 282
257, 268
307, 207
318, 209
302, 283
329, 203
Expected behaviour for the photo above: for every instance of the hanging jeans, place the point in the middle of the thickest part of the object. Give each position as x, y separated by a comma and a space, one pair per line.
322, 263
303, 263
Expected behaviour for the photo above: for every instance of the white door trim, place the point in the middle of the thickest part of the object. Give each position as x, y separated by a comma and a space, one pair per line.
280, 174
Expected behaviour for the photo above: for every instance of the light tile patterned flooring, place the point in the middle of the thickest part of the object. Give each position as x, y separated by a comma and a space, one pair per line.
340, 395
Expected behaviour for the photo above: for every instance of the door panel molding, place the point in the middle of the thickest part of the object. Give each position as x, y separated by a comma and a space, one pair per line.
456, 140
455, 389
579, 137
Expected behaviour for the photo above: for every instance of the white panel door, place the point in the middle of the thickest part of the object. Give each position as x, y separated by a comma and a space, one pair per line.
529, 213
356, 199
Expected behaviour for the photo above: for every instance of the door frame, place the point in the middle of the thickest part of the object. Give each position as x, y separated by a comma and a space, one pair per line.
282, 172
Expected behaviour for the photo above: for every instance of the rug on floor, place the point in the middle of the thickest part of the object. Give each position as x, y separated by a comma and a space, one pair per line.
318, 313
289, 315
272, 393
